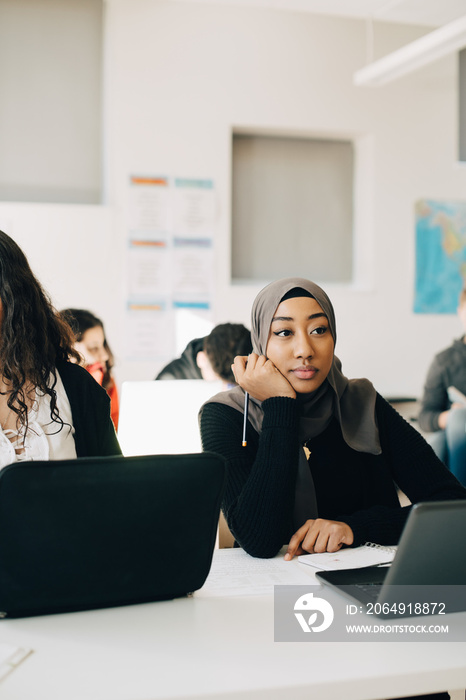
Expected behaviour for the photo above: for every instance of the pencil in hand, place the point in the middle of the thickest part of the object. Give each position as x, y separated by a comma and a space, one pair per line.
245, 419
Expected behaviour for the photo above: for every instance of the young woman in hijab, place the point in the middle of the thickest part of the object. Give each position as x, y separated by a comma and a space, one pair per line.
324, 454
50, 408
95, 353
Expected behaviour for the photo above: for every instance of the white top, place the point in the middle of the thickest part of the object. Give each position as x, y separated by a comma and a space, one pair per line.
44, 439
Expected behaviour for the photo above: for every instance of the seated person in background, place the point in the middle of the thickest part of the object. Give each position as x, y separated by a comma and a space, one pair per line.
324, 454
220, 349
94, 350
441, 415
210, 358
50, 408
185, 366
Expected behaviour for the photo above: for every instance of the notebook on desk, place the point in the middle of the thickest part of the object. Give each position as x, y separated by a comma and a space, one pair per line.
100, 532
431, 553
162, 416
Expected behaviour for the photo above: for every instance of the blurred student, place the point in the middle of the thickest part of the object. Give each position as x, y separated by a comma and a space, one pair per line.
221, 346
50, 408
443, 414
210, 358
185, 366
95, 353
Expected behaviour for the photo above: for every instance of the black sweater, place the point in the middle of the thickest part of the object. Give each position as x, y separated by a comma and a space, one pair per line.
354, 487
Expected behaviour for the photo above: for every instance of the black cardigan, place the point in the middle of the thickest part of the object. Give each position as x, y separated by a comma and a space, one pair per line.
90, 408
354, 487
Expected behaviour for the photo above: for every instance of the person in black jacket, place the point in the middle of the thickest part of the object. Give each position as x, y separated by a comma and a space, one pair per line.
185, 366
442, 414
49, 407
324, 455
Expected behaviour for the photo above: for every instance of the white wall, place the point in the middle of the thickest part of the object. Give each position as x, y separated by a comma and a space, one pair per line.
51, 85
74, 252
180, 78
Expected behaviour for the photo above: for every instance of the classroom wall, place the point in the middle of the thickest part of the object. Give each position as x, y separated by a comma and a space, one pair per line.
179, 78
51, 88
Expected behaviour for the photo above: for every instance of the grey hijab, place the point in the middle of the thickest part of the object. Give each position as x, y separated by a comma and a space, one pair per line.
350, 401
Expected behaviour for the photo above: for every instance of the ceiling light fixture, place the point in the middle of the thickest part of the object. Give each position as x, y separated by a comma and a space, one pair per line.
432, 46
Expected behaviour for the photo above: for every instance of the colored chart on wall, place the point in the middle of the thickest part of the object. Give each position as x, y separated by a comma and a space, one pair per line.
440, 256
170, 263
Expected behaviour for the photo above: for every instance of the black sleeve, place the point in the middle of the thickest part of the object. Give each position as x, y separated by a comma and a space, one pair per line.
259, 496
94, 434
435, 398
164, 374
415, 469
106, 440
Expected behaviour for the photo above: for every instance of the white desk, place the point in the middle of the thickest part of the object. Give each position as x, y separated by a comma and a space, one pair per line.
211, 648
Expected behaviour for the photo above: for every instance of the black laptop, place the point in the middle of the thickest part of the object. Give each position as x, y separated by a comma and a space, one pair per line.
100, 532
430, 561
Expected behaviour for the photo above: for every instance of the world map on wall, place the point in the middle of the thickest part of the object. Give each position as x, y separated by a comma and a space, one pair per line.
440, 256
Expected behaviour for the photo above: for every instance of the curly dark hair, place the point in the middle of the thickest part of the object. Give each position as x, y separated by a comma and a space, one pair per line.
222, 345
33, 337
80, 321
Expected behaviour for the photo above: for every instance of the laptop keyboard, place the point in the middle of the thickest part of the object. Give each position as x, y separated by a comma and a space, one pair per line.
371, 589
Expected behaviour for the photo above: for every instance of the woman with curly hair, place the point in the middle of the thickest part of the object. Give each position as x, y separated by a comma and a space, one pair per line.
96, 355
50, 408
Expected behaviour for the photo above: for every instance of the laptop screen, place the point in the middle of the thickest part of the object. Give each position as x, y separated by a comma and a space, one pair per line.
161, 417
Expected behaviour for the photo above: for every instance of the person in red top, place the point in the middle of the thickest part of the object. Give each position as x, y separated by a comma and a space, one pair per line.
91, 344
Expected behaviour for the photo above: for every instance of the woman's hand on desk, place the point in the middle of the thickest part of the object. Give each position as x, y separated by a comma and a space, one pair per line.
260, 378
319, 535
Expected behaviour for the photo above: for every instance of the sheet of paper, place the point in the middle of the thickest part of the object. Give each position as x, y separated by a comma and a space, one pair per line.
194, 208
11, 657
149, 269
149, 205
193, 269
149, 331
356, 558
236, 573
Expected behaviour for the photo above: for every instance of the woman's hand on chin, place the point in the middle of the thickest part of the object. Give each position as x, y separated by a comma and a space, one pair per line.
319, 535
260, 378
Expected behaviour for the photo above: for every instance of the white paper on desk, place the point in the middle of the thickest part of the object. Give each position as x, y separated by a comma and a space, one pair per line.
351, 558
11, 657
235, 573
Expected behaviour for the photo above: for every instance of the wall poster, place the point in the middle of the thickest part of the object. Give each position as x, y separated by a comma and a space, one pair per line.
170, 263
440, 256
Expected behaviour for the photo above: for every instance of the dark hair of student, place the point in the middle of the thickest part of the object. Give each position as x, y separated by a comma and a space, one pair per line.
33, 337
223, 344
81, 321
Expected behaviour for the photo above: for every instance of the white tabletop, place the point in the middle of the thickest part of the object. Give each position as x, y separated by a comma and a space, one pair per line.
212, 647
